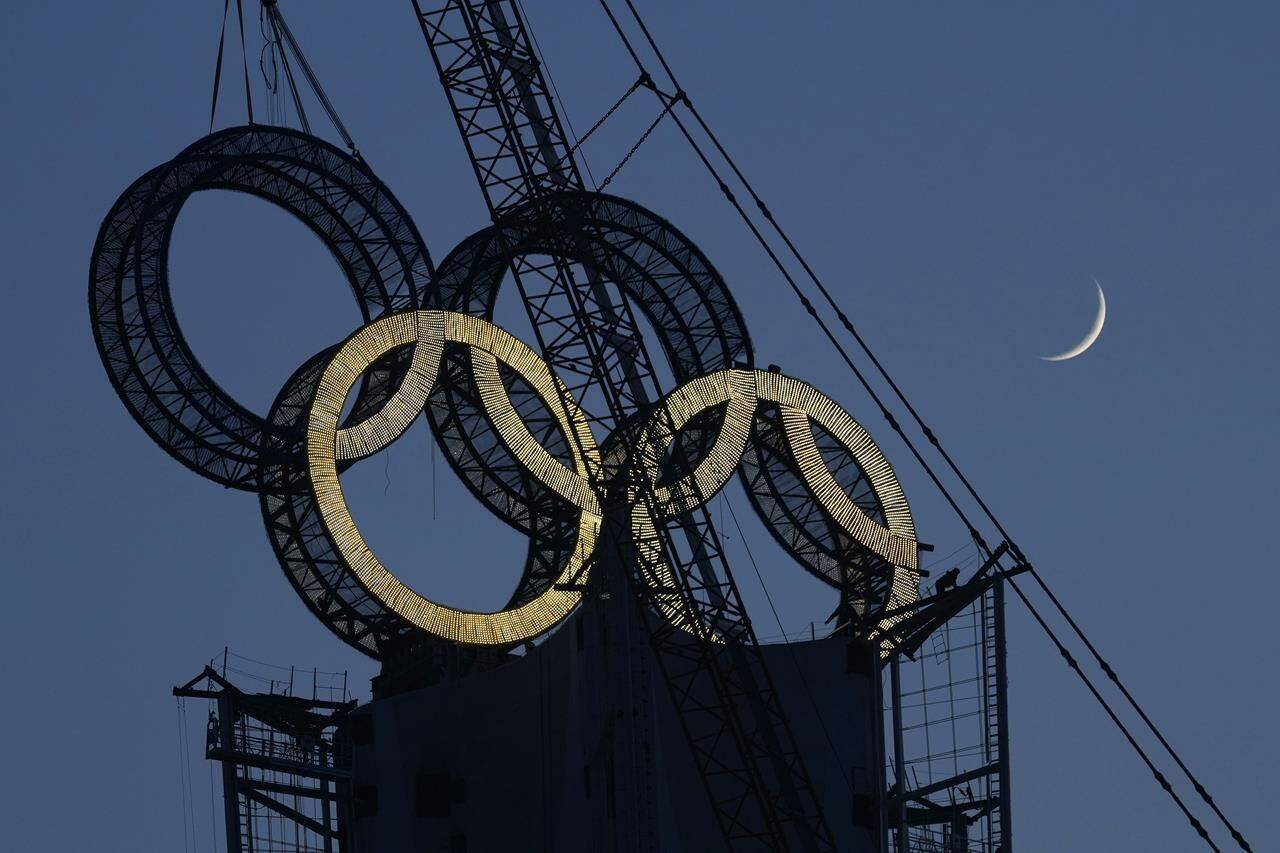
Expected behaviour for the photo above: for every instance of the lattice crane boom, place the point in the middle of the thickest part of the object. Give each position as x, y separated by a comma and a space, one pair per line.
731, 714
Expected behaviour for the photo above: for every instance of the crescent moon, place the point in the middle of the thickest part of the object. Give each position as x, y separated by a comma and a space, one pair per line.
1091, 336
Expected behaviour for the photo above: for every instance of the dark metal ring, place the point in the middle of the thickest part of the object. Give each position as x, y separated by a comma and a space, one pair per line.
141, 344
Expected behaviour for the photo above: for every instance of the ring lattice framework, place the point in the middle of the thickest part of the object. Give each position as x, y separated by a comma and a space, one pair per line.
151, 366
697, 322
163, 385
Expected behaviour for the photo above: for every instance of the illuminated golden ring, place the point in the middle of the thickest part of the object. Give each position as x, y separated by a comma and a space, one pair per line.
428, 331
740, 392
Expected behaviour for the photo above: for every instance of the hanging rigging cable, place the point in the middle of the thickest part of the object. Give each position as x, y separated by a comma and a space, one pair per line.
217, 67
283, 54
386, 470
928, 433
681, 97
805, 302
522, 15
281, 28
213, 813
186, 794
578, 142
634, 148
271, 79
640, 81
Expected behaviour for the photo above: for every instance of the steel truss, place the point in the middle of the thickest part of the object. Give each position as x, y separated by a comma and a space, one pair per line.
948, 720
141, 344
759, 789
381, 254
286, 767
587, 266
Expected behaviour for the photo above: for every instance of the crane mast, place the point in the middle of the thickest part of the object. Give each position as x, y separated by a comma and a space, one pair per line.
760, 791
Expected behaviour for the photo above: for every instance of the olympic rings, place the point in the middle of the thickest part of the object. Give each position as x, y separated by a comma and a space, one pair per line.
506, 423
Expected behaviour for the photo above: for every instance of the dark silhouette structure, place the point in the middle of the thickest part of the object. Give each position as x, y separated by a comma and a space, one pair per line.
622, 700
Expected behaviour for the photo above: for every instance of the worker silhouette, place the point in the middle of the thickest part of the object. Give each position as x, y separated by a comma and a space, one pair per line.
947, 581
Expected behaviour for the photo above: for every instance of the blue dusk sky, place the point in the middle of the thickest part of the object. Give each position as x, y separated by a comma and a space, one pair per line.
959, 173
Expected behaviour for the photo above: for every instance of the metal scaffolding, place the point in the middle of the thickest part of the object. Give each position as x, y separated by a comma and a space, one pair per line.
947, 728
286, 765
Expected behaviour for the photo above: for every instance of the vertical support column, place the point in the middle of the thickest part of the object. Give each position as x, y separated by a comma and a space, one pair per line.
327, 812
880, 752
230, 791
899, 816
1002, 714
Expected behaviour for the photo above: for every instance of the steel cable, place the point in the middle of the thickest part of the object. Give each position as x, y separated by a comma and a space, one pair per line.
244, 61
1111, 674
640, 81
318, 90
928, 433
217, 64
1075, 667
634, 148
564, 111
